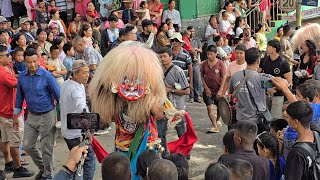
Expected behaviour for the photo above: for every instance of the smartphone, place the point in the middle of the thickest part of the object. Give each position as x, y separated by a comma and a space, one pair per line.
267, 84
83, 121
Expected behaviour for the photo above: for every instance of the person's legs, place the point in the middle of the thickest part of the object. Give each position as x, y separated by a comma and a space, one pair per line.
209, 101
162, 132
5, 146
181, 127
196, 82
276, 107
31, 134
47, 132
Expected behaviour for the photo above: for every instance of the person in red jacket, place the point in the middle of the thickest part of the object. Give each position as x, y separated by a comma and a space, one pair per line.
11, 136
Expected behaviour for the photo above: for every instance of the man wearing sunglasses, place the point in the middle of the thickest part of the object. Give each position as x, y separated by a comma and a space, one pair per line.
11, 136
181, 57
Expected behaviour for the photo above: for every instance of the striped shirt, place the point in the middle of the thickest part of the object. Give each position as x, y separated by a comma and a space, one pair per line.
61, 4
175, 75
183, 60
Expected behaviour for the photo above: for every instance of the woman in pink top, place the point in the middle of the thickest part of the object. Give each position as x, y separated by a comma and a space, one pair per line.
80, 7
265, 10
156, 9
120, 22
31, 6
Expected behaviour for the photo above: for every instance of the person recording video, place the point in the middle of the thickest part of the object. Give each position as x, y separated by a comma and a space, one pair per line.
73, 100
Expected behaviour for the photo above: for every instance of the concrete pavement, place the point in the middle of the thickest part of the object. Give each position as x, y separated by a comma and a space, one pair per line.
208, 148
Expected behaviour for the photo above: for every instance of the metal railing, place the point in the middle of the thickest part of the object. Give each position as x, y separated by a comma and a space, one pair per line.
254, 16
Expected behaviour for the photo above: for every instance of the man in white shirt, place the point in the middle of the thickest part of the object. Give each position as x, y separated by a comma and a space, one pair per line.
73, 100
172, 14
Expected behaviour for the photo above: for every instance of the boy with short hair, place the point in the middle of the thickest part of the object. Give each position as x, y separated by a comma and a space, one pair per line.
18, 58
213, 77
55, 65
68, 60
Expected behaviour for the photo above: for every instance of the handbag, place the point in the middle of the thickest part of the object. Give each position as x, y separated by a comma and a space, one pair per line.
265, 117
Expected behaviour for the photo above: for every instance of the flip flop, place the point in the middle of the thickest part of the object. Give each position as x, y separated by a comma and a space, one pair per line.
213, 130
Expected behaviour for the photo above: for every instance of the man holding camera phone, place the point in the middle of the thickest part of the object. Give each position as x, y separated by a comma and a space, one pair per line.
73, 100
276, 66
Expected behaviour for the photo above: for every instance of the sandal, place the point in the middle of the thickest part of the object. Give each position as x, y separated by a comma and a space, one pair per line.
213, 130
23, 162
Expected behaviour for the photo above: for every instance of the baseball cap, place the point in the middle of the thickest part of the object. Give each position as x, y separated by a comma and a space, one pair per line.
177, 36
77, 64
23, 20
3, 19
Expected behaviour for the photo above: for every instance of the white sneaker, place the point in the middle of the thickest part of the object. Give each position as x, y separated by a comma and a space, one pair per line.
219, 123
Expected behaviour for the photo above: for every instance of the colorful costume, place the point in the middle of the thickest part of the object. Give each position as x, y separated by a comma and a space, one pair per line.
125, 87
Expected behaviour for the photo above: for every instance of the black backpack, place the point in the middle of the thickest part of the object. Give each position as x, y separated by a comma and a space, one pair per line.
314, 154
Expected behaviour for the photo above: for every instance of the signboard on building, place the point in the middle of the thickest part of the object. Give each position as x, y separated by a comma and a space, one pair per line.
288, 5
310, 3
288, 18
311, 13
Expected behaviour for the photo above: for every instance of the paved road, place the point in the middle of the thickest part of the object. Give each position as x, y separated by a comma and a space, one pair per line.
206, 150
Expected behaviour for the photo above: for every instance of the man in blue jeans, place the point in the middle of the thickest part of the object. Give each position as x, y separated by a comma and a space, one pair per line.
73, 100
177, 87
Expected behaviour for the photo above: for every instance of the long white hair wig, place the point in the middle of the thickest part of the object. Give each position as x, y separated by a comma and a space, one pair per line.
130, 59
308, 32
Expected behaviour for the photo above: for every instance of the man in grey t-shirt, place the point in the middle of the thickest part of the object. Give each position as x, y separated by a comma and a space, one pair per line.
245, 107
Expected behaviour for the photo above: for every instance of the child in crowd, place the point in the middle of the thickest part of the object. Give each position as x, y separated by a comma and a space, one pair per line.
68, 60
4, 38
182, 165
228, 143
42, 15
53, 6
144, 6
60, 43
217, 171
56, 66
42, 62
33, 27
277, 127
143, 162
54, 28
50, 37
171, 29
44, 56
226, 28
226, 46
240, 170
18, 59
236, 42
222, 55
268, 146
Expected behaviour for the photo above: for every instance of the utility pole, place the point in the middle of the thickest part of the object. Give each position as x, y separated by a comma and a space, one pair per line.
299, 13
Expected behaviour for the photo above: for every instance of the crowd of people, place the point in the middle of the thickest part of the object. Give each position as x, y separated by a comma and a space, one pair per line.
50, 54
